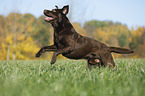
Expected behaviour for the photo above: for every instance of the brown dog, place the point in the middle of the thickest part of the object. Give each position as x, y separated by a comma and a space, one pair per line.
75, 46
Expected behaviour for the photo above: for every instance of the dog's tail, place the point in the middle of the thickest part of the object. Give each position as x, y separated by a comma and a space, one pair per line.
121, 50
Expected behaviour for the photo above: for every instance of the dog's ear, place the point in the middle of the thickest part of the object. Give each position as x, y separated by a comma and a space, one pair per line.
65, 9
56, 6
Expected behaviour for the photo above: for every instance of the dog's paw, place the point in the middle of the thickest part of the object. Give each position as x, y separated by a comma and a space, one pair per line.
52, 62
37, 55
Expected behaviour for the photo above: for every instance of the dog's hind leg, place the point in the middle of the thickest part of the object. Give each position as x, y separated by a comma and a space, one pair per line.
107, 59
94, 60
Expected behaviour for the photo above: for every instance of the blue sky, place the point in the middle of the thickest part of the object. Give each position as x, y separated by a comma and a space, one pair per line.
129, 12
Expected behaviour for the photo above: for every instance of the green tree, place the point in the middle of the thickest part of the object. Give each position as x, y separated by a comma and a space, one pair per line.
122, 40
42, 32
110, 34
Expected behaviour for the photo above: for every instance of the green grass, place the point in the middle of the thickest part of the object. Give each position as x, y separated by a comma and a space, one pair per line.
71, 78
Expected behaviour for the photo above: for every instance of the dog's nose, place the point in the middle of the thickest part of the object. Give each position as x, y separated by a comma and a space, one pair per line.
45, 11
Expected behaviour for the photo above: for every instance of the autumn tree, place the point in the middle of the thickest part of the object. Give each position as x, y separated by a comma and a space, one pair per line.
110, 34
91, 26
17, 42
137, 42
136, 37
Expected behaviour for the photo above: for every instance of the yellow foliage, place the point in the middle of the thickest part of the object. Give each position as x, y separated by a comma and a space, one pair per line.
21, 37
2, 51
9, 39
138, 32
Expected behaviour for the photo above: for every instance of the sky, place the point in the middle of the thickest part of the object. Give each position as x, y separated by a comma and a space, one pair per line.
128, 12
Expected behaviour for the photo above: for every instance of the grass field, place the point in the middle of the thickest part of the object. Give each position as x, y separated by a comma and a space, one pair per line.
71, 78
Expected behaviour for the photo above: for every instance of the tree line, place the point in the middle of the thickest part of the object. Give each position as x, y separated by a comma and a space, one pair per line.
22, 35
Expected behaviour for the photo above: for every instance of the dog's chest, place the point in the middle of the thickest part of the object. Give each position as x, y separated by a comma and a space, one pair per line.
60, 41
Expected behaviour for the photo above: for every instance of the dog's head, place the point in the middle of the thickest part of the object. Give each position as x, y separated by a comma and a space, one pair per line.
56, 15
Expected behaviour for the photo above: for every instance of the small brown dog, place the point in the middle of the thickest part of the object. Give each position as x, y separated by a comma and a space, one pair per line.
75, 46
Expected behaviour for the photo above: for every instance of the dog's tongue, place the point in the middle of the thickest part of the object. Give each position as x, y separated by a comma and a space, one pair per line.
48, 18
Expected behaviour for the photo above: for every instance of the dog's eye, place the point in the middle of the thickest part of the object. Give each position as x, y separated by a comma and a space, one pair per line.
53, 10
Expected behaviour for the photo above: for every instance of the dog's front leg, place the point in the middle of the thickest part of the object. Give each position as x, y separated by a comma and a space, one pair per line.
61, 51
46, 48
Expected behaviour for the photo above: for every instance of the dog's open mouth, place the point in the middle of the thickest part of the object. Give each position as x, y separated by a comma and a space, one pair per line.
48, 18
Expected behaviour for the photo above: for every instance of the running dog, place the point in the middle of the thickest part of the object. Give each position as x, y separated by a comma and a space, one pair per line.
72, 45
